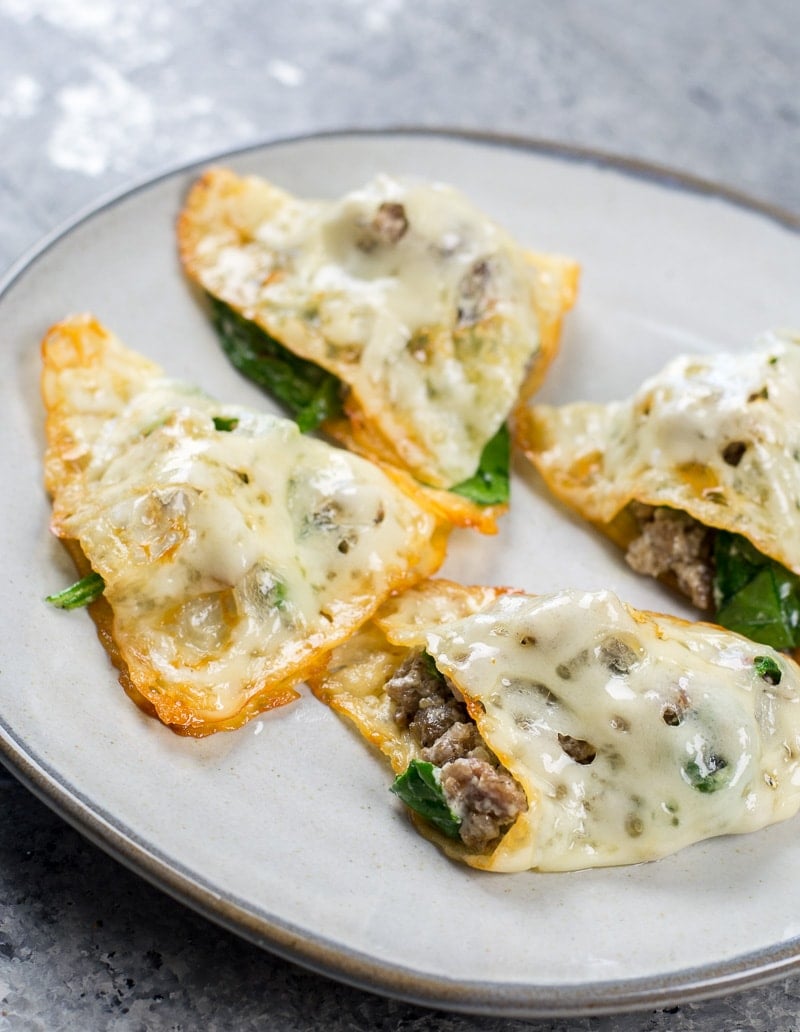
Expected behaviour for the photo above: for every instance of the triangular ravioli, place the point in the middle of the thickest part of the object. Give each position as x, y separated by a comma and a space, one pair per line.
568, 731
235, 551
430, 317
702, 463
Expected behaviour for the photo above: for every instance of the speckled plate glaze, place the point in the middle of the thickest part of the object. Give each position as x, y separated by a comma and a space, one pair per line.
285, 830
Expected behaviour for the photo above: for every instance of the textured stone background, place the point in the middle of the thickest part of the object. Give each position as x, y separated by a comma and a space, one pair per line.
96, 94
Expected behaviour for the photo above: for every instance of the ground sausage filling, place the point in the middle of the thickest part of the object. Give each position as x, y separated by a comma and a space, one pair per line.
476, 787
672, 543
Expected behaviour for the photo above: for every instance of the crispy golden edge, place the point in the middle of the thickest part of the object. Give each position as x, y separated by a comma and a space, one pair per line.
568, 483
214, 201
556, 288
571, 485
77, 342
378, 656
556, 282
74, 343
358, 435
171, 712
369, 659
212, 205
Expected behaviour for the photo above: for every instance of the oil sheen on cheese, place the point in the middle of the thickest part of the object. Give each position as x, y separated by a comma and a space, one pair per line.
670, 444
414, 298
633, 736
233, 548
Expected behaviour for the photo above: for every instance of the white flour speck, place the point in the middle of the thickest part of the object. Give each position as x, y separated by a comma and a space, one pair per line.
378, 14
132, 34
103, 121
67, 14
21, 98
286, 73
106, 123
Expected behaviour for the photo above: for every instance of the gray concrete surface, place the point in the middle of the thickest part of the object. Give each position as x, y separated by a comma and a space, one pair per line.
95, 94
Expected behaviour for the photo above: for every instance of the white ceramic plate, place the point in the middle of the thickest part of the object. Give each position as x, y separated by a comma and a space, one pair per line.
285, 830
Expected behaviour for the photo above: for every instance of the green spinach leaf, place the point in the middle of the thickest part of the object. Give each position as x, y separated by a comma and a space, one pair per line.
754, 595
707, 773
768, 669
81, 593
311, 394
420, 789
705, 782
225, 423
490, 484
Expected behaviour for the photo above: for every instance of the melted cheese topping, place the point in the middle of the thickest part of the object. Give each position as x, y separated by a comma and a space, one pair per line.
234, 550
633, 735
407, 293
717, 436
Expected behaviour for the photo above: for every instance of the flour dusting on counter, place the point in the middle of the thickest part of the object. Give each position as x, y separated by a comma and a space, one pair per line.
286, 73
132, 34
21, 99
379, 15
105, 121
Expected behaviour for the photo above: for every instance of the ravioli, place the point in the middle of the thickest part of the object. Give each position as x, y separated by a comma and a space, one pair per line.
711, 443
430, 317
629, 735
235, 552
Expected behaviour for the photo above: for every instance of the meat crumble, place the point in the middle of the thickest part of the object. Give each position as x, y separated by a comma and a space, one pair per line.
388, 226
473, 299
476, 787
672, 542
488, 799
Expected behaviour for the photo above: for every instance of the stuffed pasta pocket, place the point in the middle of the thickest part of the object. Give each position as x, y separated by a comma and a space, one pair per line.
697, 477
569, 731
230, 551
398, 317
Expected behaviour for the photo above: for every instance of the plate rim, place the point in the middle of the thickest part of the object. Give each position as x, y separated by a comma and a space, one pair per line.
636, 168
305, 948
